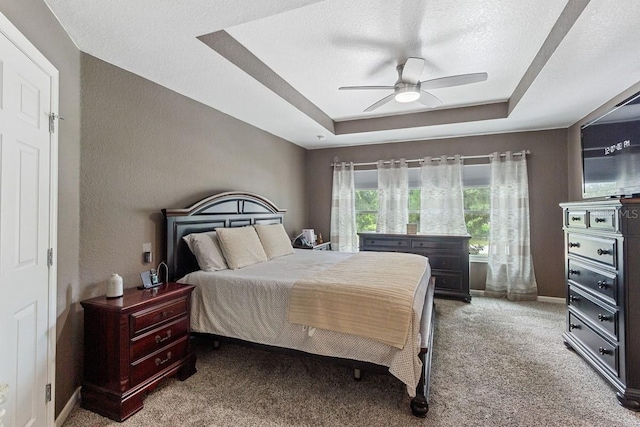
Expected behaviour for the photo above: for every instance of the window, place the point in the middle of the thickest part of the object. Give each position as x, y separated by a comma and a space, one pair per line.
476, 202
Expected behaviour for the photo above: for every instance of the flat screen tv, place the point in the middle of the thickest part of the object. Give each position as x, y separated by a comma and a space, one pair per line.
611, 152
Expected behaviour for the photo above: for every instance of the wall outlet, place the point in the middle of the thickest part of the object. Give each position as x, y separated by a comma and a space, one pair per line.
147, 255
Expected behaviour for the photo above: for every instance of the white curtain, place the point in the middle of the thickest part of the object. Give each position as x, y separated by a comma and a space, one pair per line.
393, 196
510, 267
441, 197
343, 210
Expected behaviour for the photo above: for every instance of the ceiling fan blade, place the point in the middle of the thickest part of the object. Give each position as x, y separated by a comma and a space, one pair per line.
428, 99
365, 87
461, 79
412, 70
380, 103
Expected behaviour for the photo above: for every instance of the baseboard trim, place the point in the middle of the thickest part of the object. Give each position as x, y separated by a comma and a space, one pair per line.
66, 411
553, 300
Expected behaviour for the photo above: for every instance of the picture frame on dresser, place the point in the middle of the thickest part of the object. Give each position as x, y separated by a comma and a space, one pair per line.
602, 238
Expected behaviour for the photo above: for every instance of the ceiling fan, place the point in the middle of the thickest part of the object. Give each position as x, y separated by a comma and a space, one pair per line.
409, 88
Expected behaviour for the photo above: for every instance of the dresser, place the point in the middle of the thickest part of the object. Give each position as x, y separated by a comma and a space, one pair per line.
602, 268
133, 342
448, 257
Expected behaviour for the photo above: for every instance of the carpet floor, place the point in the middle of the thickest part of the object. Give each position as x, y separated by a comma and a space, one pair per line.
495, 363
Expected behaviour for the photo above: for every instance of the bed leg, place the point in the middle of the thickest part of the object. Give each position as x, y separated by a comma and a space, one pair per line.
419, 404
357, 374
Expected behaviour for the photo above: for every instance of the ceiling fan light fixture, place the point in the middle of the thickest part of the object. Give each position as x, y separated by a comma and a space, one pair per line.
407, 94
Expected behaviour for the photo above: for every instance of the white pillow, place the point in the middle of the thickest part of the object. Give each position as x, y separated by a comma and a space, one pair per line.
207, 251
241, 246
275, 240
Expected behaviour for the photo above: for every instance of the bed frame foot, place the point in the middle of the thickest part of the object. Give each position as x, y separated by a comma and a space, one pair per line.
419, 406
357, 374
216, 344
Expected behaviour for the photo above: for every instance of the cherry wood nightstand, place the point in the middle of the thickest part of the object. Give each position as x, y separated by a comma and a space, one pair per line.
133, 342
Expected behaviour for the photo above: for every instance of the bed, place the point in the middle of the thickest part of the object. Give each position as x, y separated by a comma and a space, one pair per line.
251, 304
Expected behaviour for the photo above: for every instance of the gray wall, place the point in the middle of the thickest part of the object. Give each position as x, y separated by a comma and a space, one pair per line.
145, 148
574, 165
36, 22
547, 186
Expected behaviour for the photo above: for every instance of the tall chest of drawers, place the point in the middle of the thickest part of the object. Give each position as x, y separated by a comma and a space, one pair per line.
448, 257
602, 268
131, 343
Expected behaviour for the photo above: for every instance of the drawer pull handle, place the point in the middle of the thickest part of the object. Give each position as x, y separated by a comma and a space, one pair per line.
162, 362
572, 272
399, 243
575, 218
603, 252
573, 298
574, 244
604, 351
599, 219
603, 318
574, 326
443, 263
602, 284
159, 339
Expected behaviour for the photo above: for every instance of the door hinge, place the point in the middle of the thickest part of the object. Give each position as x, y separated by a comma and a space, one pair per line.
47, 392
49, 257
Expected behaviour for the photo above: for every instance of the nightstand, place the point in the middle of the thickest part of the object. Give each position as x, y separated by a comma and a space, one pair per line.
133, 342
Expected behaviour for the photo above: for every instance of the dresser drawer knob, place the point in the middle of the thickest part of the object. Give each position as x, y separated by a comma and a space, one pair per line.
573, 298
599, 219
604, 351
602, 284
604, 318
603, 252
160, 339
162, 362
574, 244
575, 218
572, 272
573, 326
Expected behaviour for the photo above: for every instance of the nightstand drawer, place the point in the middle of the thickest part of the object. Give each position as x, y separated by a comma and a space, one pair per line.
144, 369
598, 249
601, 283
156, 339
602, 317
149, 318
600, 348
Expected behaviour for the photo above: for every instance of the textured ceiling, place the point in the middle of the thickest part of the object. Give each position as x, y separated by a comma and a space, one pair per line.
278, 64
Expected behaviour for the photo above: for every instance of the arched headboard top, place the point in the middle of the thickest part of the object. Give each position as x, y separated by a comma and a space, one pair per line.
230, 209
238, 202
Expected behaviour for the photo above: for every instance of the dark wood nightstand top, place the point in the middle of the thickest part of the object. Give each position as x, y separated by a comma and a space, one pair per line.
133, 297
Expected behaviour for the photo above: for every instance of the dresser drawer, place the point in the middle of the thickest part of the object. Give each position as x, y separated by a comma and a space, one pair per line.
149, 318
604, 318
599, 249
445, 262
447, 245
603, 220
448, 281
381, 242
144, 369
601, 283
154, 340
600, 348
576, 218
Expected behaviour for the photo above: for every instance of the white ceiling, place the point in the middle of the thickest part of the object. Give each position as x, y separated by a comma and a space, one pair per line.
318, 46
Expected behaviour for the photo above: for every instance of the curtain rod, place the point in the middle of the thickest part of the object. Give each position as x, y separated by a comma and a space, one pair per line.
386, 162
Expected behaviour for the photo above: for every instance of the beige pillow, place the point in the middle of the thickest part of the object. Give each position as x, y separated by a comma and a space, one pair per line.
207, 251
241, 246
275, 240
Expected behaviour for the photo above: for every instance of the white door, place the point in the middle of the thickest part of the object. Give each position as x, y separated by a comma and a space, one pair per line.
25, 236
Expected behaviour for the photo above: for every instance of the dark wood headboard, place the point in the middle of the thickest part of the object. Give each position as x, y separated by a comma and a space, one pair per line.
230, 209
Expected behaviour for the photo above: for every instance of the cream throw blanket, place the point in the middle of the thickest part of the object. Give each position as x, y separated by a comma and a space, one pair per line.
369, 295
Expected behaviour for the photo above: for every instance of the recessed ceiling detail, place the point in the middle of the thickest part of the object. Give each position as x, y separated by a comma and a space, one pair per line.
278, 64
